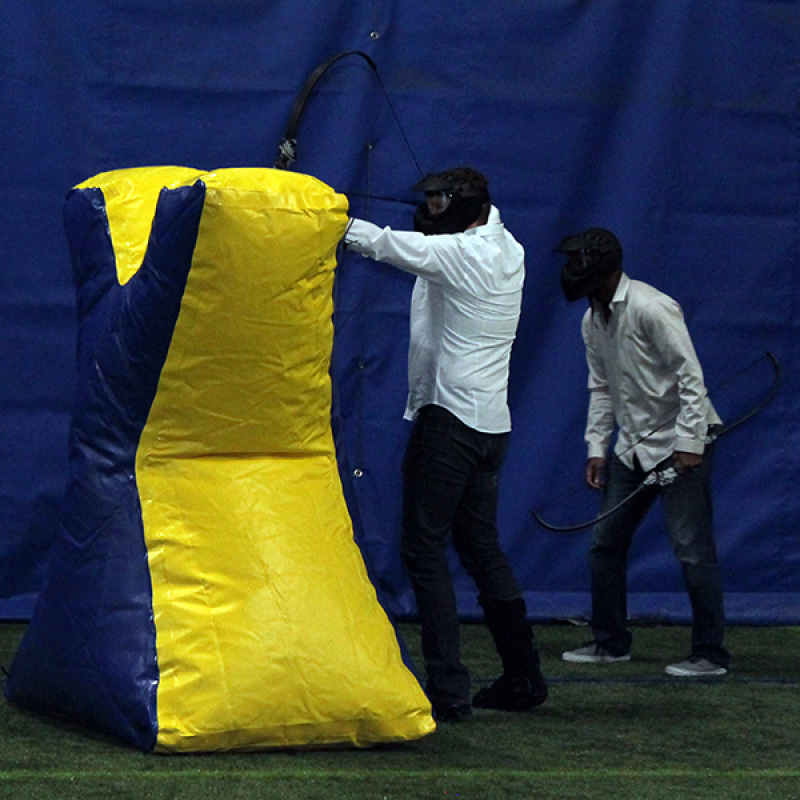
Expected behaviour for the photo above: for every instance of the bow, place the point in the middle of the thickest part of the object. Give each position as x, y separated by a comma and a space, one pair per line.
666, 475
287, 150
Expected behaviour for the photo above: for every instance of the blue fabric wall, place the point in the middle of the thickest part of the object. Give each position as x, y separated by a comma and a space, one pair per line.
674, 122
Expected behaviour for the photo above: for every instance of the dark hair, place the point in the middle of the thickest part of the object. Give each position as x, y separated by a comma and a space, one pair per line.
470, 181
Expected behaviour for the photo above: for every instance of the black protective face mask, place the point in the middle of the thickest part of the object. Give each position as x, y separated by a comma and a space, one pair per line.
584, 274
593, 257
456, 218
450, 206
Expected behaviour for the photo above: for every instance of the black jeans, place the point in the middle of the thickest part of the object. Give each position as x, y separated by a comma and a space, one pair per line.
450, 494
687, 508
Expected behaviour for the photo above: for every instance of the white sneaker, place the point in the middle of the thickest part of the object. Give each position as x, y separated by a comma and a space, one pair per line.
695, 667
593, 653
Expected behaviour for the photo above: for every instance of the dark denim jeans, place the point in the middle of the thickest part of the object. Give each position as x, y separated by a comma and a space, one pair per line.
688, 512
450, 494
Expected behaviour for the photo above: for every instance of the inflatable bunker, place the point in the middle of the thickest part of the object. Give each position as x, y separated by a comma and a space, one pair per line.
205, 591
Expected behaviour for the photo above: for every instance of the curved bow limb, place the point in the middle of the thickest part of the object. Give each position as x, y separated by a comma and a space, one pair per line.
287, 150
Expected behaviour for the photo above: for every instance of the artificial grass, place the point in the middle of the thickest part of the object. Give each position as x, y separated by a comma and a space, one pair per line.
621, 731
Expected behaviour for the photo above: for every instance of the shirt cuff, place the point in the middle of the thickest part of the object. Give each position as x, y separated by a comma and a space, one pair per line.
596, 450
356, 234
690, 446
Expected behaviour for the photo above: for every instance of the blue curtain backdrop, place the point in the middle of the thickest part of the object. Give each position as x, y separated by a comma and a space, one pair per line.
673, 122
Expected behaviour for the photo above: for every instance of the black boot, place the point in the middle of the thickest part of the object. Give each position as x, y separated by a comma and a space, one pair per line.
522, 685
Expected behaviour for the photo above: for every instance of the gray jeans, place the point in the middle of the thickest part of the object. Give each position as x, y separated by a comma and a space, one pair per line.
687, 508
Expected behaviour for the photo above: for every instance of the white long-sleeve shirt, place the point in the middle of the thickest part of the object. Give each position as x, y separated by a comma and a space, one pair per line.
465, 309
645, 376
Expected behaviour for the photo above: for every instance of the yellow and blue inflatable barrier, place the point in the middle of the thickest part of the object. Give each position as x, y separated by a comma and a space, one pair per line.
205, 592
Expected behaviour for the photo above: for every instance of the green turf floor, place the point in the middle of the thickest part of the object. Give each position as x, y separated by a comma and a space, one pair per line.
620, 731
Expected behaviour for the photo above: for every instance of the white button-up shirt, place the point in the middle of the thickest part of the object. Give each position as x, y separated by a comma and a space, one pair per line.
465, 310
644, 375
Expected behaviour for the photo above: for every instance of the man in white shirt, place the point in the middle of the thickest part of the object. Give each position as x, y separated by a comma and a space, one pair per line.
465, 309
645, 379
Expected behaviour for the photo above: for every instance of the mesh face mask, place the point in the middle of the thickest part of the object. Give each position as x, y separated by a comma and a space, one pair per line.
438, 202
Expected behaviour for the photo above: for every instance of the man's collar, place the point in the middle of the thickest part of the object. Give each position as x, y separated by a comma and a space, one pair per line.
621, 294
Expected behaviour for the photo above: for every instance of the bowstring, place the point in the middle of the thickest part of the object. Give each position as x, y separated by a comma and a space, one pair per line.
396, 119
